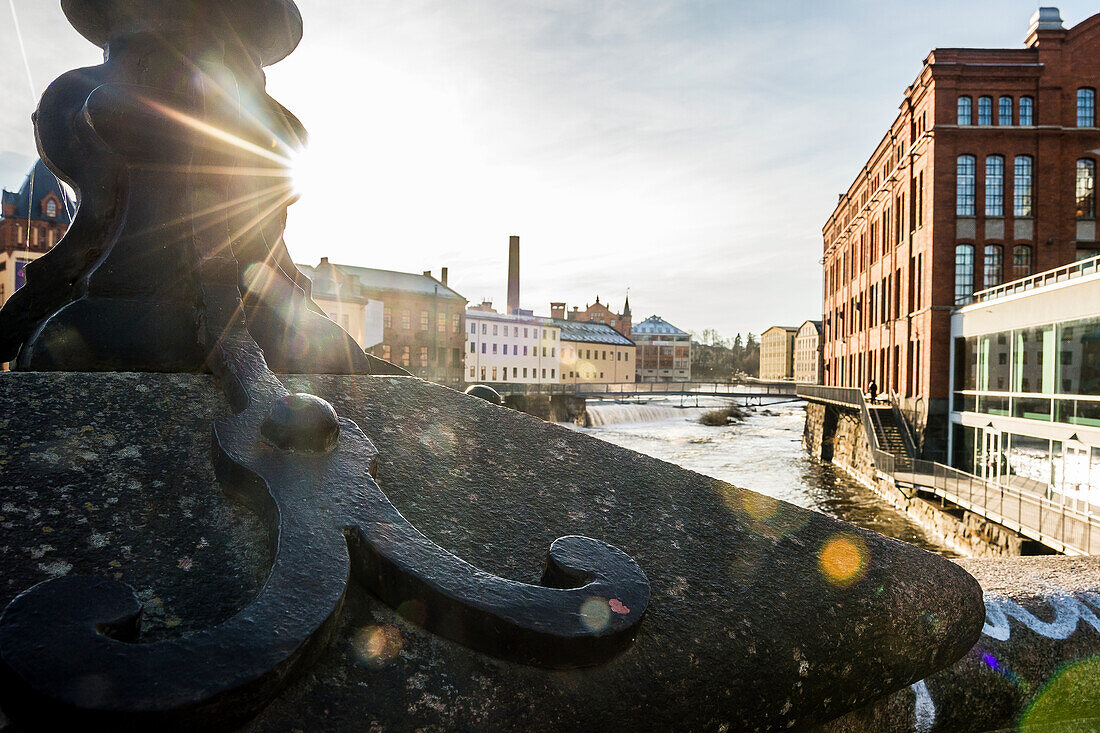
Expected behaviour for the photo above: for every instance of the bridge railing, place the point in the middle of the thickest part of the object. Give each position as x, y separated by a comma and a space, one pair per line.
616, 390
1071, 526
1067, 525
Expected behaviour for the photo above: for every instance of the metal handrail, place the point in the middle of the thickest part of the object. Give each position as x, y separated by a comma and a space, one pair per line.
633, 389
1071, 271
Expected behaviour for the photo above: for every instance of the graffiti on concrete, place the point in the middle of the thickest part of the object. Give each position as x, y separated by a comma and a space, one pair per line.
1070, 612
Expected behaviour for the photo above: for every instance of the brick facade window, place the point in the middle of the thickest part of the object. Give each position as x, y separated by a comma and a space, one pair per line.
1021, 261
1021, 187
1027, 111
994, 265
966, 111
964, 274
995, 185
1086, 107
964, 185
1004, 111
387, 318
985, 110
1086, 188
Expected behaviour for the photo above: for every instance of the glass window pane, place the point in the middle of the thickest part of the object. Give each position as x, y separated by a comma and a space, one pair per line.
965, 108
1027, 111
1034, 360
995, 186
1086, 189
964, 273
1021, 186
1079, 357
964, 191
1086, 107
1004, 111
1021, 261
994, 265
985, 110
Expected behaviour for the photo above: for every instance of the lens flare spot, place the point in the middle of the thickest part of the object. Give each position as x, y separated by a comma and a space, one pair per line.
758, 506
595, 614
376, 646
1069, 696
414, 611
843, 560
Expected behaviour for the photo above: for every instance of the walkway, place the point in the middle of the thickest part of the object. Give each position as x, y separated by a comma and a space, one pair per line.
1031, 509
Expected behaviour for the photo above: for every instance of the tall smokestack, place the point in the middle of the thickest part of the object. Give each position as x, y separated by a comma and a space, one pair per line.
513, 275
443, 276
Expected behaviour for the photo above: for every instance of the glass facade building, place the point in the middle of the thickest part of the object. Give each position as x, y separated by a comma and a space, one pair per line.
1026, 384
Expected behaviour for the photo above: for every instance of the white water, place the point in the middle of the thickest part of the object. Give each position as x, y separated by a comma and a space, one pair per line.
764, 453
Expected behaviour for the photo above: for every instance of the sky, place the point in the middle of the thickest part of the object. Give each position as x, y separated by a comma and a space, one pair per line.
687, 150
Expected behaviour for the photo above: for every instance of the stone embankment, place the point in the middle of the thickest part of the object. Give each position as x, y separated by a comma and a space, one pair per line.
837, 435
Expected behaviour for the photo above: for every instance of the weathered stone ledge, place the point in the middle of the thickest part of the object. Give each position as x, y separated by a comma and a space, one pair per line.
1036, 666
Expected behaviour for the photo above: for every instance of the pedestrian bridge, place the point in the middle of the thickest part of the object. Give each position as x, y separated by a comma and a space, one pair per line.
647, 389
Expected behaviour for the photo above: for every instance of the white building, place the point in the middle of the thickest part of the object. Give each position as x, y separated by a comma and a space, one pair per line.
520, 349
807, 353
1026, 384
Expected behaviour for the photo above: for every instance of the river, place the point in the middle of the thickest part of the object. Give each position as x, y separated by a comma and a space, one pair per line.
763, 453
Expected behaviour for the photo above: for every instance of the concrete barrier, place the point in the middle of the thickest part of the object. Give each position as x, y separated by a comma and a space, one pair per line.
1036, 666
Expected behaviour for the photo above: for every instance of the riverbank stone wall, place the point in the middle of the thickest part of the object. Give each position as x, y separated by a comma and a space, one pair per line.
837, 435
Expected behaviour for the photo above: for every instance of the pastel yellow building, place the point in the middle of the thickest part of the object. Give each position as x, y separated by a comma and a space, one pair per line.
777, 353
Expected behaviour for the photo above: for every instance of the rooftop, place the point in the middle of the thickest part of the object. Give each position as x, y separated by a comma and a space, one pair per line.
326, 277
1082, 268
593, 333
655, 325
39, 183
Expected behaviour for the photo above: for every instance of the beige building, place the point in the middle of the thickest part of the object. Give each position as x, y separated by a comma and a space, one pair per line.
594, 353
807, 353
777, 353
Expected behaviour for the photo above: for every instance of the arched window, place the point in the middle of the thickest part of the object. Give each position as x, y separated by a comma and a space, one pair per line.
1086, 189
1004, 111
1021, 186
966, 106
1027, 111
985, 110
1086, 107
995, 185
964, 274
1021, 261
51, 208
964, 185
994, 265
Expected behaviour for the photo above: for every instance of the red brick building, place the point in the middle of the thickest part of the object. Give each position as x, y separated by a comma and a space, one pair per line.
423, 320
598, 313
32, 220
987, 175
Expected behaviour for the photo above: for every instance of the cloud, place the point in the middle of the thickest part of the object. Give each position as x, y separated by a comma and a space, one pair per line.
690, 150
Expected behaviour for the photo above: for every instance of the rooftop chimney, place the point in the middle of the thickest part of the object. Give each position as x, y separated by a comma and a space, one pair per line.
1045, 19
513, 275
557, 310
443, 276
427, 273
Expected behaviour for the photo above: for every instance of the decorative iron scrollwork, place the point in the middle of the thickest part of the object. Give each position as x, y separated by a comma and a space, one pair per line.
175, 262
